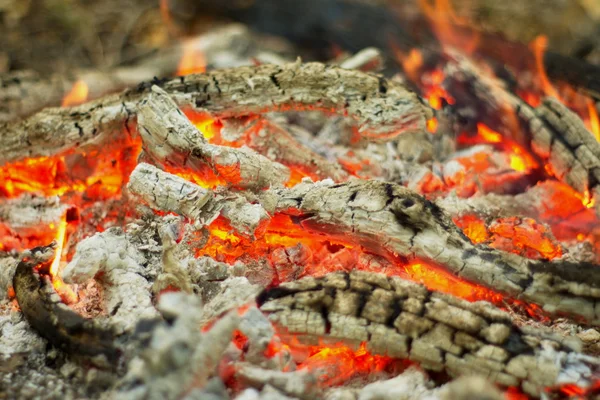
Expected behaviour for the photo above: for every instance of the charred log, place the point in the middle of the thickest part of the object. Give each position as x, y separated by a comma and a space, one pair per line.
442, 333
380, 108
554, 133
53, 319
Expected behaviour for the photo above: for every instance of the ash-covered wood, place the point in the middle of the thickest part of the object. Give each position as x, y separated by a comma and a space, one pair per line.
170, 138
170, 193
53, 319
381, 109
402, 319
390, 219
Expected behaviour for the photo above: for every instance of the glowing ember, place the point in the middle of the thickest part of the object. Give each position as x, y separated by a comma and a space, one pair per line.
77, 95
335, 364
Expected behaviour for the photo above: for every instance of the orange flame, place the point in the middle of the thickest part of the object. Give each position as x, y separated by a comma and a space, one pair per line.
448, 27
65, 292
192, 60
594, 122
538, 46
77, 95
411, 63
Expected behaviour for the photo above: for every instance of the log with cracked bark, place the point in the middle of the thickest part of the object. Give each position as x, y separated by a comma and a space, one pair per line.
380, 108
390, 220
393, 221
554, 133
402, 319
167, 192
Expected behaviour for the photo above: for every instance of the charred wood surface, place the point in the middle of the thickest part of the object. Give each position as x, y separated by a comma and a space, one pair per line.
402, 319
380, 108
392, 220
53, 319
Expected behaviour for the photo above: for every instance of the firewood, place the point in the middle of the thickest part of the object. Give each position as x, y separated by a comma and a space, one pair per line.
273, 139
388, 219
170, 138
52, 318
554, 133
380, 108
442, 333
167, 192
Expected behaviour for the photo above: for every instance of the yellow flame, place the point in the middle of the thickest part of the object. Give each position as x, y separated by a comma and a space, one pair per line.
78, 94
65, 292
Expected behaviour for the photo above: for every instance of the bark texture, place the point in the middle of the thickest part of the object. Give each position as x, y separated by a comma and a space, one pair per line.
442, 333
381, 109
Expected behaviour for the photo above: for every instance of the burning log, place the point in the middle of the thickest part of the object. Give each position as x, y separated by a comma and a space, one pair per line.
554, 133
442, 333
52, 318
380, 108
170, 138
168, 192
391, 220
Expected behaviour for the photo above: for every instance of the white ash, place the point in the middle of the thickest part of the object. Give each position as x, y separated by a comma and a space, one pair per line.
234, 292
29, 211
297, 384
179, 356
8, 265
126, 263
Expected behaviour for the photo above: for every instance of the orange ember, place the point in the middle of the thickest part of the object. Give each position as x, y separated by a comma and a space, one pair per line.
522, 236
77, 95
337, 363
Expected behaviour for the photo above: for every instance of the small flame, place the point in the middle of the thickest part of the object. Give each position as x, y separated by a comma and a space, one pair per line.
65, 292
450, 29
538, 46
432, 125
411, 63
594, 122
192, 61
77, 95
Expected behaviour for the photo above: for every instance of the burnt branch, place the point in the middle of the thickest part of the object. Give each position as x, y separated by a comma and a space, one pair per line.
381, 109
170, 193
554, 133
53, 319
402, 319
170, 138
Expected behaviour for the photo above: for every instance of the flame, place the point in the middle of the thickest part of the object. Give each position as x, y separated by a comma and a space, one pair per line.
448, 27
538, 46
77, 95
411, 63
432, 125
192, 60
64, 290
594, 121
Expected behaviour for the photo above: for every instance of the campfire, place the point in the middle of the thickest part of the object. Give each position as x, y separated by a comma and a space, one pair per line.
227, 220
